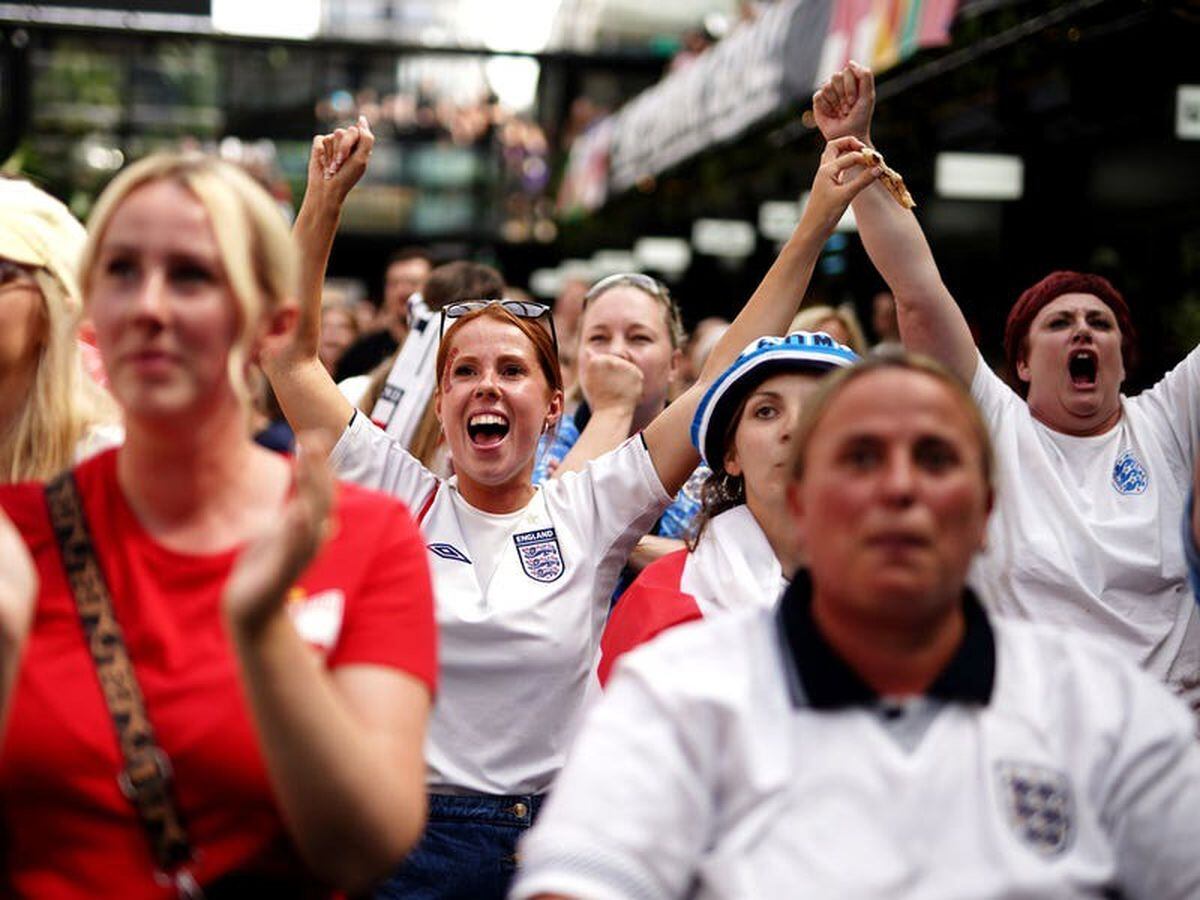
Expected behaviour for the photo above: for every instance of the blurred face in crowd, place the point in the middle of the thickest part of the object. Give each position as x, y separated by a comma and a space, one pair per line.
338, 330
1072, 361
628, 322
165, 316
401, 280
761, 451
704, 337
836, 329
568, 306
494, 403
22, 319
892, 500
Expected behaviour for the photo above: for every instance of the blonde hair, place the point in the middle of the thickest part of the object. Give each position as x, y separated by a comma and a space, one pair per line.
810, 319
62, 403
652, 288
256, 249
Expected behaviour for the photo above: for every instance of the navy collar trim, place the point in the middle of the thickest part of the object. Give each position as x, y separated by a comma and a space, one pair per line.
823, 680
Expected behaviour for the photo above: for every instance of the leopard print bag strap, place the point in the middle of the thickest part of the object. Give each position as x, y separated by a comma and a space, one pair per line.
146, 777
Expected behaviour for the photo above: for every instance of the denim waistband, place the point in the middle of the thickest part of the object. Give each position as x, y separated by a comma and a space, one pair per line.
517, 809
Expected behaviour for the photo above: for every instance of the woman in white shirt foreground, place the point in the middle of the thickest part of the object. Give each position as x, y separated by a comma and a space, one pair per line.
522, 574
877, 736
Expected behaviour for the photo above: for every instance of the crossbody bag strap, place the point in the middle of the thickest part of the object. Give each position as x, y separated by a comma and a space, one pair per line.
146, 777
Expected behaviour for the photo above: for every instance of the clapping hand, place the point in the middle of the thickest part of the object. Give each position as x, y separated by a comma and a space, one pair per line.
272, 562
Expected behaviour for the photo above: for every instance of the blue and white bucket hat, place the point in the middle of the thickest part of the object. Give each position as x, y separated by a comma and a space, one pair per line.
800, 351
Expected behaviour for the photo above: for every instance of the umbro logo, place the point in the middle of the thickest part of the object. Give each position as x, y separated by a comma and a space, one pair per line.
449, 551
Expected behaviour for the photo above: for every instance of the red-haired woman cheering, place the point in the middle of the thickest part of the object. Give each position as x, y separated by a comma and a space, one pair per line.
523, 574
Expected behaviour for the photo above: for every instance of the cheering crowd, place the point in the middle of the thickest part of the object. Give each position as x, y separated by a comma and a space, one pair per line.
811, 621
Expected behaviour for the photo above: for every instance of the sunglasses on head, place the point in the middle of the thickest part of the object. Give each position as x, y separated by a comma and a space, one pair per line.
11, 272
522, 309
647, 283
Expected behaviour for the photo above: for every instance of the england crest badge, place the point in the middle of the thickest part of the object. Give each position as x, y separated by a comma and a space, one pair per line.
540, 555
1039, 806
1129, 475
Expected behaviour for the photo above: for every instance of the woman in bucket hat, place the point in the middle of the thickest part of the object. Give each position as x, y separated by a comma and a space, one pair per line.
744, 550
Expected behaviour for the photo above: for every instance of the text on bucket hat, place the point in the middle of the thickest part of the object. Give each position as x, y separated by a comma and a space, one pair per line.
800, 351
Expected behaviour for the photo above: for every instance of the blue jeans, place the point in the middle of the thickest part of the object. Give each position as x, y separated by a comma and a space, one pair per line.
468, 851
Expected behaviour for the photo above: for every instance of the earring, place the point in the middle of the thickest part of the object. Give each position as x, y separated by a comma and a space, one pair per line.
727, 484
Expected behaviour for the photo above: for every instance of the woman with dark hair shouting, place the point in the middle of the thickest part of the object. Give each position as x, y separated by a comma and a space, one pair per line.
1093, 483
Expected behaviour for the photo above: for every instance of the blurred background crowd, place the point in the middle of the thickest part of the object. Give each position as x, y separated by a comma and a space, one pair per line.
560, 140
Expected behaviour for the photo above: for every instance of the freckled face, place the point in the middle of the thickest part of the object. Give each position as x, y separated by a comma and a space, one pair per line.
494, 402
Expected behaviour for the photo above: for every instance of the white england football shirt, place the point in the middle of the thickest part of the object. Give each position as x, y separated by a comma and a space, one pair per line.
518, 631
733, 565
738, 757
1085, 533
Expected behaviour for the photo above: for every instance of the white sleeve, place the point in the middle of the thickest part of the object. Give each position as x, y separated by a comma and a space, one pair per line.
1152, 795
631, 813
1173, 405
993, 397
367, 456
614, 500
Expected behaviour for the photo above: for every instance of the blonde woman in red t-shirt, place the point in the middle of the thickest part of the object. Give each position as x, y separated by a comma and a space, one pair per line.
279, 626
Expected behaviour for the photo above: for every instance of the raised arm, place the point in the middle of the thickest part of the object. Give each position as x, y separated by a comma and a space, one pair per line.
771, 307
308, 396
344, 749
930, 320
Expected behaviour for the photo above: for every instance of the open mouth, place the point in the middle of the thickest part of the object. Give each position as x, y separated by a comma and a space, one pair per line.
1082, 367
487, 429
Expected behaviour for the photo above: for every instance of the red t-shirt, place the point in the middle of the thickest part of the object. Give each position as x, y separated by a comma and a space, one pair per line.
652, 604
67, 829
